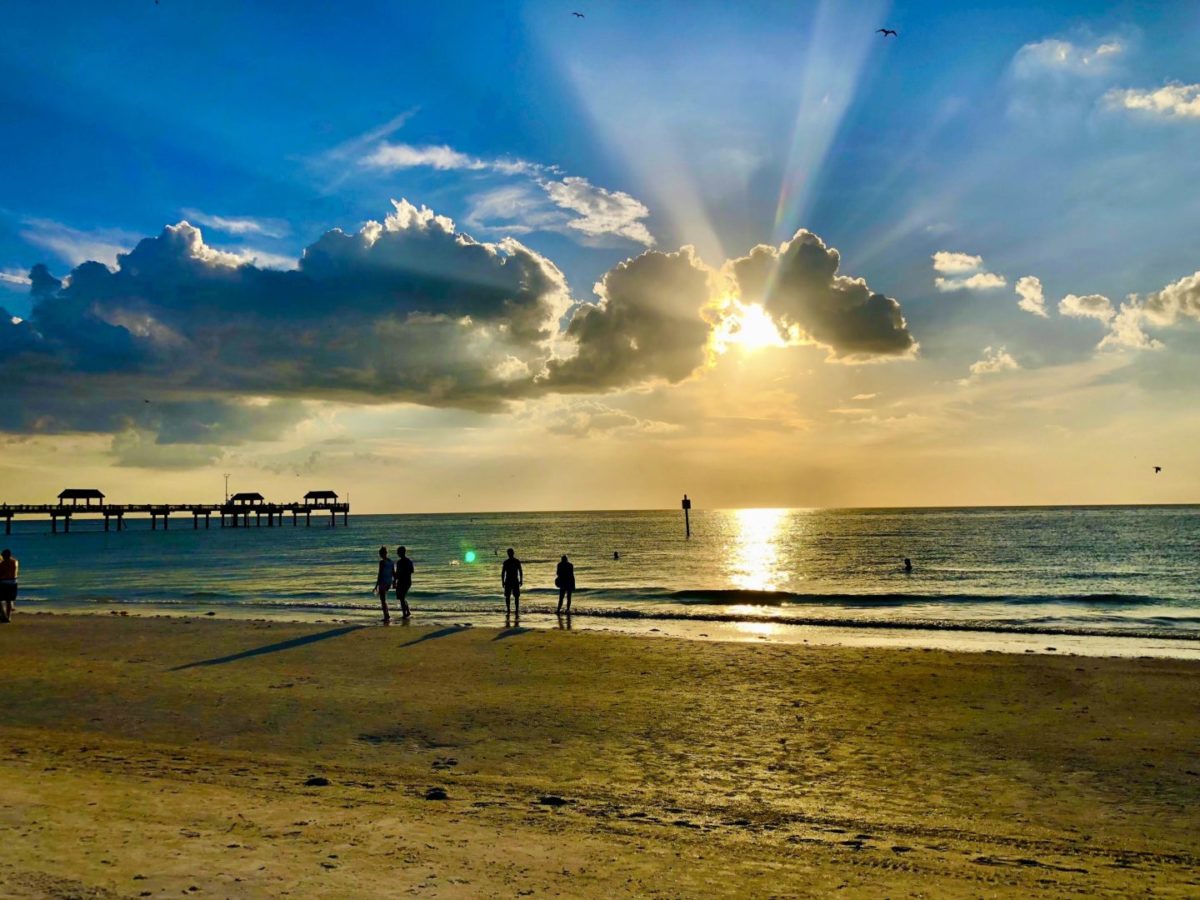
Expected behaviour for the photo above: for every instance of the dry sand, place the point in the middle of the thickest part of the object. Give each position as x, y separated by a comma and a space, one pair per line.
160, 757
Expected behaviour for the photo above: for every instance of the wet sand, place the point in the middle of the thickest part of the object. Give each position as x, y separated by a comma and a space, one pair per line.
154, 756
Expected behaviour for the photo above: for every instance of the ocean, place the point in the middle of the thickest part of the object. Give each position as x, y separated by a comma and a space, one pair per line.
1104, 571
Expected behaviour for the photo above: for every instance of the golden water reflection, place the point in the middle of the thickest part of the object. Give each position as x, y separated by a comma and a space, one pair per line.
754, 559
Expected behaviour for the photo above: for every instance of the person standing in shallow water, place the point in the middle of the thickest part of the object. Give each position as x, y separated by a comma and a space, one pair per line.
404, 577
9, 568
564, 580
512, 576
384, 581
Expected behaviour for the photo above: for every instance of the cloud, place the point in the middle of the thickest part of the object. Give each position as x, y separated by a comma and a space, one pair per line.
1126, 332
957, 265
1162, 309
444, 158
14, 278
515, 209
185, 345
1172, 101
76, 246
1033, 299
274, 228
980, 281
995, 360
864, 397
798, 284
1091, 306
1058, 57
647, 325
593, 211
587, 418
138, 449
954, 263
600, 212
407, 309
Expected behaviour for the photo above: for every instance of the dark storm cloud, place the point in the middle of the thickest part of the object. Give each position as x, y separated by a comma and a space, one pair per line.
798, 284
646, 326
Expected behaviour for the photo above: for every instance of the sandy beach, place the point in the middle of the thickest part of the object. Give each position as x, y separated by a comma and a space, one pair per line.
160, 756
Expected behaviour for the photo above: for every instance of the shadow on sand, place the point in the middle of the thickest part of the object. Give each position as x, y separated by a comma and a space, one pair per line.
440, 633
511, 632
271, 648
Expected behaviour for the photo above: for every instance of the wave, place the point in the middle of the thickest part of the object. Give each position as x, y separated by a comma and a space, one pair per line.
737, 597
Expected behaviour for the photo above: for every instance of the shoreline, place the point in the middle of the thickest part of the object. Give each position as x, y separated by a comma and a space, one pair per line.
951, 636
232, 758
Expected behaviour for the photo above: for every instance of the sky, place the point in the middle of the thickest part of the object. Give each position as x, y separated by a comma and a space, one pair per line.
459, 257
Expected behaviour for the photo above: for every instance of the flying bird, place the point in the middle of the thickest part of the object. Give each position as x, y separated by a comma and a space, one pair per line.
886, 32
1157, 469
579, 15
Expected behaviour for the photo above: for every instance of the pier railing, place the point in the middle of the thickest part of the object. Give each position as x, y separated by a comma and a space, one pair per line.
232, 515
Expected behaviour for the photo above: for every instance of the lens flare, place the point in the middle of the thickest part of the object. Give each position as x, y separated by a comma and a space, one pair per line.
469, 556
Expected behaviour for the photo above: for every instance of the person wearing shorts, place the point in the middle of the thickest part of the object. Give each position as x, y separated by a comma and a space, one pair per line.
9, 567
404, 577
384, 580
512, 577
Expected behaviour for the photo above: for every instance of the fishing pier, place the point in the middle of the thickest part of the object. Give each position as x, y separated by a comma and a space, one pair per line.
235, 512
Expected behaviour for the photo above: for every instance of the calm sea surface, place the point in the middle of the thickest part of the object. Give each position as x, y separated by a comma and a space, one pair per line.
1130, 569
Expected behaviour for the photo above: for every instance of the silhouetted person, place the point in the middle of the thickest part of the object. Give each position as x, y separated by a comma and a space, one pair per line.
564, 580
9, 568
907, 566
404, 577
384, 581
616, 554
512, 576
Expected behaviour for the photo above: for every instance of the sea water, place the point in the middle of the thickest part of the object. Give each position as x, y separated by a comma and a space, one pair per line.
1065, 570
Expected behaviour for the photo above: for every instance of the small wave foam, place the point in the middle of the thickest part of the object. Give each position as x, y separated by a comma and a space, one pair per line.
786, 598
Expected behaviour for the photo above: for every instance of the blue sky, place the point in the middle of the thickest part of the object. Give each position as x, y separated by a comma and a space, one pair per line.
1046, 140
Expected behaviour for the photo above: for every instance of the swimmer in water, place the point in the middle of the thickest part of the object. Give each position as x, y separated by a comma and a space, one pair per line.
907, 566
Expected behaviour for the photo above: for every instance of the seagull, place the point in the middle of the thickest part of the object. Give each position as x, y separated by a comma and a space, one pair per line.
1157, 469
886, 32
579, 15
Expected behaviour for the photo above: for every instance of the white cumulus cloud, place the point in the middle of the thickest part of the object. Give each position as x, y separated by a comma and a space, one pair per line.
995, 360
1179, 300
600, 212
1090, 306
1033, 299
954, 263
957, 265
980, 281
1171, 101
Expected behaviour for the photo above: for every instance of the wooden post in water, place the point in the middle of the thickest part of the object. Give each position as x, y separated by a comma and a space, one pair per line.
687, 521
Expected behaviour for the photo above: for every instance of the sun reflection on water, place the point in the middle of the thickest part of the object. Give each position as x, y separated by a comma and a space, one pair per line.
754, 558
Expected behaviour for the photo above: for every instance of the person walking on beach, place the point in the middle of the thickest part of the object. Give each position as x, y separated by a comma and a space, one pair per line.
9, 568
404, 577
512, 576
564, 580
384, 581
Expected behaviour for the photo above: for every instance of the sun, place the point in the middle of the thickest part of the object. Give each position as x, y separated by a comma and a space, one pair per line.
748, 326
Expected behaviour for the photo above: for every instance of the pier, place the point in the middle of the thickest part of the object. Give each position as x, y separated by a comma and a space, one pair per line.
235, 512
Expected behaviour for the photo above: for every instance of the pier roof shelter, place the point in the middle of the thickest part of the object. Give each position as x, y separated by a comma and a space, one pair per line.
320, 497
87, 495
247, 498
